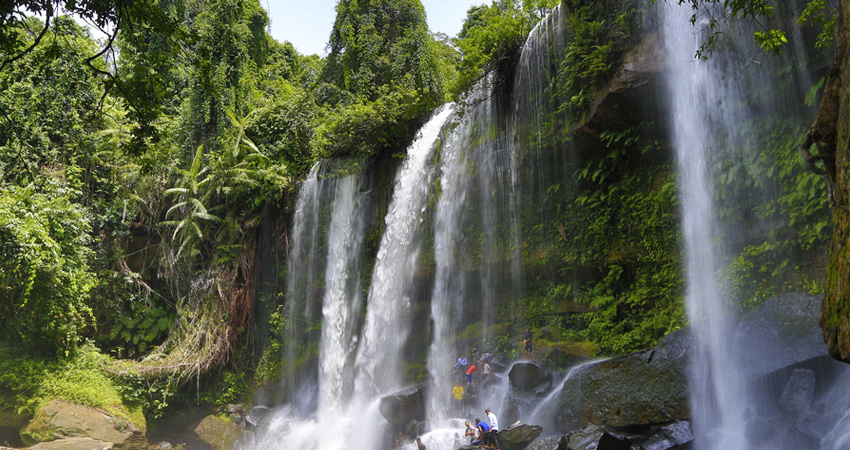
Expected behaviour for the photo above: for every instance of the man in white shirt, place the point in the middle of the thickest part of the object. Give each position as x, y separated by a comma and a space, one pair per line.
494, 422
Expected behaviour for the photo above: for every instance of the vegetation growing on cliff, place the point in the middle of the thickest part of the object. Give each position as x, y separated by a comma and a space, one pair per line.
134, 185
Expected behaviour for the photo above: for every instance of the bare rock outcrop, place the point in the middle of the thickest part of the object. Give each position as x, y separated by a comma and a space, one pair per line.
59, 419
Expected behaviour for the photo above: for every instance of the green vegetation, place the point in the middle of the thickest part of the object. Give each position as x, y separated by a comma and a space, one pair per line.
492, 37
81, 380
138, 172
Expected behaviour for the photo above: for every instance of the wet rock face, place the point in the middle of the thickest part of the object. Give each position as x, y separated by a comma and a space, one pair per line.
781, 331
518, 436
404, 406
642, 388
799, 392
530, 378
676, 435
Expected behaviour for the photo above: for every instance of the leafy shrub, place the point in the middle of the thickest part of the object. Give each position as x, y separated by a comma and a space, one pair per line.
44, 269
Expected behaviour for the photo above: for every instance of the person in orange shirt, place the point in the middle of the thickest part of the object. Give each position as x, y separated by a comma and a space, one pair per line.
472, 368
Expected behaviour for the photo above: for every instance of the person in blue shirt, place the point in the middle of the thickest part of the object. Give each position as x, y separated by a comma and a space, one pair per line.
461, 362
483, 431
486, 435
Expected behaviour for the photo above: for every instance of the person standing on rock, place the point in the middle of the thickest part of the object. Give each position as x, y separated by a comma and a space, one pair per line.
485, 374
494, 422
457, 392
420, 444
527, 340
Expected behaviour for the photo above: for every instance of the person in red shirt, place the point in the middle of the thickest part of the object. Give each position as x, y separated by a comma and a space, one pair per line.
472, 368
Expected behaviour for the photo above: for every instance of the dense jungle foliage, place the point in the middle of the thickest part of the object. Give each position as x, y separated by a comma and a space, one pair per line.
138, 169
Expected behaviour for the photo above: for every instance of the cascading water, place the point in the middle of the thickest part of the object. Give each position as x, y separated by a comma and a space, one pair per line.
717, 398
349, 385
380, 357
502, 156
304, 266
342, 299
714, 105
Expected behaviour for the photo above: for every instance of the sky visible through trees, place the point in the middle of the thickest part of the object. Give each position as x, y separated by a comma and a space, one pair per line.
307, 25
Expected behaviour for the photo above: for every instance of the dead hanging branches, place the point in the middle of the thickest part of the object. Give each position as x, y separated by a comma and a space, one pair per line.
211, 320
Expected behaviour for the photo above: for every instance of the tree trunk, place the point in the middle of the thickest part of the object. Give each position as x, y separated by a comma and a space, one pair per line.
835, 315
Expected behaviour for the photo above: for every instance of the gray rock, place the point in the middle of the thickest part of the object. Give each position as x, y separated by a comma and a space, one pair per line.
405, 405
677, 433
74, 443
219, 433
796, 440
549, 443
530, 378
584, 438
256, 415
781, 331
61, 419
518, 436
799, 392
643, 388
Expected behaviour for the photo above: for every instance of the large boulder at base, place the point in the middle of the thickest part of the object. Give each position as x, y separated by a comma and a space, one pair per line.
518, 436
218, 432
585, 438
74, 443
549, 443
530, 378
675, 435
643, 388
781, 331
405, 405
59, 419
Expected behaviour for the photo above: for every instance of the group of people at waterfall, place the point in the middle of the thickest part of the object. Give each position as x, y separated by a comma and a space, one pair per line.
484, 433
464, 393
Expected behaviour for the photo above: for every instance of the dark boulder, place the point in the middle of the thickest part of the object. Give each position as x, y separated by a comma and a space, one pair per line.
530, 378
404, 406
611, 442
643, 388
518, 436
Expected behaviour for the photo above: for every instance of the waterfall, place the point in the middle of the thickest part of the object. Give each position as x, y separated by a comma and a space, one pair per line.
478, 192
304, 265
381, 355
357, 361
695, 86
714, 106
342, 300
